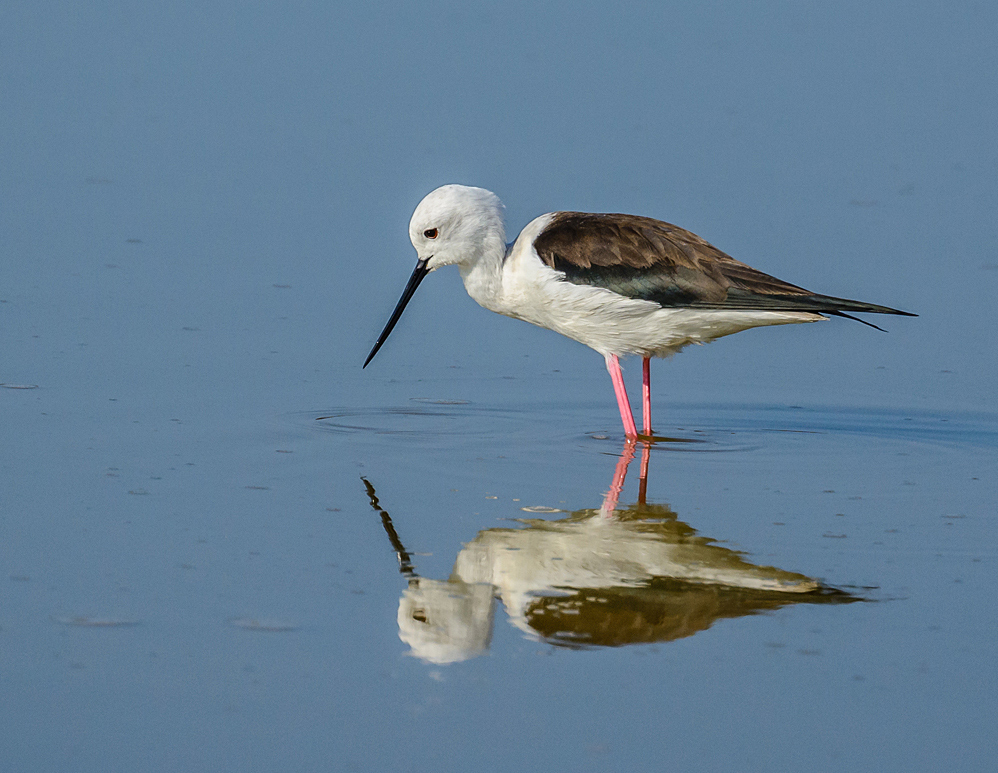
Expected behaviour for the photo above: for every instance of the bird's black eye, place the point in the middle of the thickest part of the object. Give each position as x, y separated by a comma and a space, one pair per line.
430, 233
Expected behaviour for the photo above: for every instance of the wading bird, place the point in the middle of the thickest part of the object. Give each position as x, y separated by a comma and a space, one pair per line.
620, 284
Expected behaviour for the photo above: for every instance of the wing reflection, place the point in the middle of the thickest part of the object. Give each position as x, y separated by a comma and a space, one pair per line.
606, 576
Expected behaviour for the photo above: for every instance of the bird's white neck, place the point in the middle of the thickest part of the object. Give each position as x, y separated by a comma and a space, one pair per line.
483, 275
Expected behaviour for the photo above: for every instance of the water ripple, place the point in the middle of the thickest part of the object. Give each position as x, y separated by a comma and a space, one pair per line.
692, 428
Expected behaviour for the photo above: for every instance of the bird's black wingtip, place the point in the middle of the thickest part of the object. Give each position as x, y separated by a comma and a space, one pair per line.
854, 319
870, 324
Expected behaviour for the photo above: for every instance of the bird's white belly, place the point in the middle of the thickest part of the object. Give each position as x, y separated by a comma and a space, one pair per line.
612, 323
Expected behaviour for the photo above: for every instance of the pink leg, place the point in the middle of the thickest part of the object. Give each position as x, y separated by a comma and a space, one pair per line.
613, 365
646, 396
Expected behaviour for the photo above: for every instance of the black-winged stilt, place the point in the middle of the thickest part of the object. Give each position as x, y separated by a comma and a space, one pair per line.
620, 284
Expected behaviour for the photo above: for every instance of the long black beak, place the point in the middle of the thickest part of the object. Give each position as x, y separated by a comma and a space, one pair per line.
417, 276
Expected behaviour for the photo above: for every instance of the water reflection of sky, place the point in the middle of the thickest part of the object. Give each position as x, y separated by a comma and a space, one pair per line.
203, 229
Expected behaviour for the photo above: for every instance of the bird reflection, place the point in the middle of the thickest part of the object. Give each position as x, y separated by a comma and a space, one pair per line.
606, 576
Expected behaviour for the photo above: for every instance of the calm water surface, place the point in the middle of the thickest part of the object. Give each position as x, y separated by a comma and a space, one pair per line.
223, 546
448, 582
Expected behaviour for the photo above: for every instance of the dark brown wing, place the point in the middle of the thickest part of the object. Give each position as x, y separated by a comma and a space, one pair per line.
639, 257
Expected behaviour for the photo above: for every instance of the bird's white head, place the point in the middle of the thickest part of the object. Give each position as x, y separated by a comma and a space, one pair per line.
457, 224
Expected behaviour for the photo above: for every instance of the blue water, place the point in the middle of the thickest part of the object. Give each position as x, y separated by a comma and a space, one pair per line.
211, 517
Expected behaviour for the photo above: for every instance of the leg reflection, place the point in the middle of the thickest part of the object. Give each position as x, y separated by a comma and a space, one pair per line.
643, 483
620, 475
